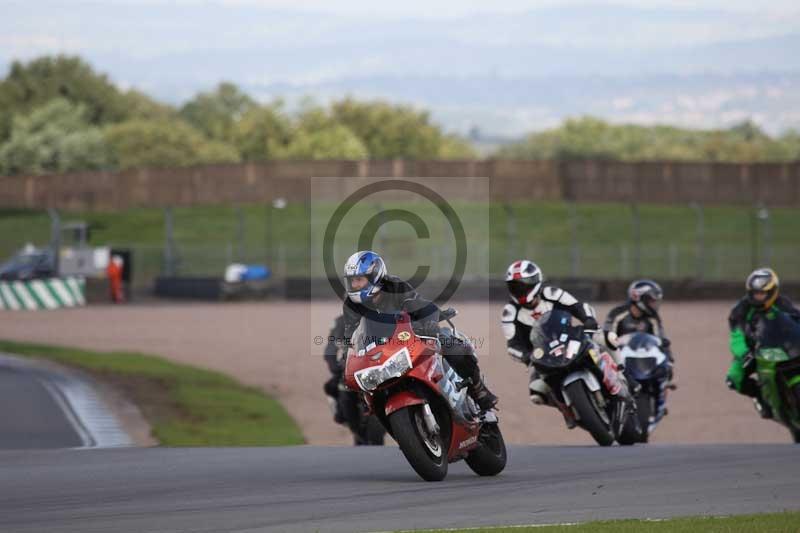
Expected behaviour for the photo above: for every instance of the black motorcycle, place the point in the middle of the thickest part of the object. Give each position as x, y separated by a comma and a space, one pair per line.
367, 430
581, 376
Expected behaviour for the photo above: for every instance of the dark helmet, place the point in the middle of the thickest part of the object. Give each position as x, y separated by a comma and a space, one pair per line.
645, 294
524, 281
762, 280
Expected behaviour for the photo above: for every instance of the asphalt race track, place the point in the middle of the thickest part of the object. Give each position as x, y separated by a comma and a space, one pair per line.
373, 489
43, 405
32, 415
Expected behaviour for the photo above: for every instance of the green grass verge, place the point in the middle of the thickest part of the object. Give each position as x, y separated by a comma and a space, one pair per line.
786, 522
185, 405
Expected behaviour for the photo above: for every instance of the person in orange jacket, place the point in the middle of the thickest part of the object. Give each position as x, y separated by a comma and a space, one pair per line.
114, 273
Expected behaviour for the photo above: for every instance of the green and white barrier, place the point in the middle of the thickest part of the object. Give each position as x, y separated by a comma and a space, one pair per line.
50, 293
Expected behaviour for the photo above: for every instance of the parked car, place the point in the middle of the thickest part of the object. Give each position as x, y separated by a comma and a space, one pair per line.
29, 263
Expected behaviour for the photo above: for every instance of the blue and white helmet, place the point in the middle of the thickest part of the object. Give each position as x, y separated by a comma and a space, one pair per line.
364, 264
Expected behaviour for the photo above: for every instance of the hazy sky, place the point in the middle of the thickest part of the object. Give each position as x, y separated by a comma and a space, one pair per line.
449, 8
173, 48
138, 28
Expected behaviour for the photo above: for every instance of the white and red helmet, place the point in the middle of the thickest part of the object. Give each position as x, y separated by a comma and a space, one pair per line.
524, 281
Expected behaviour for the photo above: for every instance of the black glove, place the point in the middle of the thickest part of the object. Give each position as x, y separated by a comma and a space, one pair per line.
522, 356
590, 325
427, 328
336, 366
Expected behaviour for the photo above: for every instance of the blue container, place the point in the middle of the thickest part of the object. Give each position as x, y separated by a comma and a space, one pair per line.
256, 272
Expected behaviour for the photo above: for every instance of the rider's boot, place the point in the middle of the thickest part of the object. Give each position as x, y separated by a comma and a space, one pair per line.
615, 381
336, 410
542, 394
762, 407
569, 418
539, 390
750, 388
628, 391
480, 393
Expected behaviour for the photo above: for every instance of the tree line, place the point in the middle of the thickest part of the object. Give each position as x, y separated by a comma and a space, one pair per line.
592, 138
57, 114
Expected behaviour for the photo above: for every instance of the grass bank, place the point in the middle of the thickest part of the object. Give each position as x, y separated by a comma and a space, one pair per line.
185, 405
597, 240
786, 522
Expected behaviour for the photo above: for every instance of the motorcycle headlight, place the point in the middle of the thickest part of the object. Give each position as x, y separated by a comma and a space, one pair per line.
371, 378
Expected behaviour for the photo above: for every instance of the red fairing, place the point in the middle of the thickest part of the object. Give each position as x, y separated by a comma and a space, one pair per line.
426, 371
610, 373
465, 438
401, 400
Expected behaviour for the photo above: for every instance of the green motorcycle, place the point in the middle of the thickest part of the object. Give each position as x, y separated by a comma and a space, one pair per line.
777, 363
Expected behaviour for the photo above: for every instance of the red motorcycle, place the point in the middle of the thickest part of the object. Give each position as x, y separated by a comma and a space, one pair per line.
420, 400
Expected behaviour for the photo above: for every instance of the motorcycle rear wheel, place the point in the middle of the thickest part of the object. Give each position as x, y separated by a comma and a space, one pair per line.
588, 416
488, 459
425, 452
630, 434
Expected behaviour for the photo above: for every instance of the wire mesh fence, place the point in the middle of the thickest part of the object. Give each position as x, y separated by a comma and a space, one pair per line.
611, 241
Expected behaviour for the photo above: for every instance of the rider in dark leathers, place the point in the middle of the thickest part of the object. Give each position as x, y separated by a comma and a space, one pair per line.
372, 292
335, 345
639, 314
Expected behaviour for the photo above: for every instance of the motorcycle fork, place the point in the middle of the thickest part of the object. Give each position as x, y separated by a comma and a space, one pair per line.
566, 410
430, 421
619, 414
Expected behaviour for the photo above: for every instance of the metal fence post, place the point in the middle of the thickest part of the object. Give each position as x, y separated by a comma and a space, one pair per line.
673, 260
169, 242
239, 234
623, 260
268, 237
55, 239
766, 226
700, 250
754, 237
511, 232
575, 252
637, 240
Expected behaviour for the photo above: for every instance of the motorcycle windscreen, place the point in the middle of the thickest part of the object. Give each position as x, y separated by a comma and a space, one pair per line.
642, 368
641, 341
643, 356
556, 343
778, 336
375, 329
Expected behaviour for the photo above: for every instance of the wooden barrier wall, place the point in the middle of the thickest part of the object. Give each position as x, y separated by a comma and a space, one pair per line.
582, 181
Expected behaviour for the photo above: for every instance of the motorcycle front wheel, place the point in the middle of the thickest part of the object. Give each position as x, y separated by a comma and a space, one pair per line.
589, 413
424, 450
